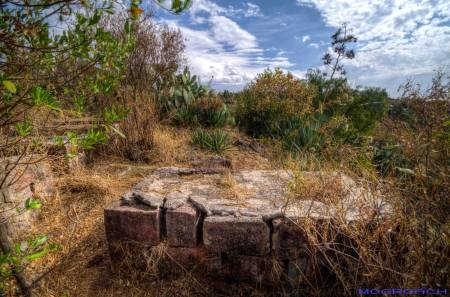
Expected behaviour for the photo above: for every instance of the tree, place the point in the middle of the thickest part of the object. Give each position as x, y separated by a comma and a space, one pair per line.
55, 57
331, 85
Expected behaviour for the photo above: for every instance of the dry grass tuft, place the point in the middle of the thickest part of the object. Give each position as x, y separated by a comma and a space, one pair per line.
171, 146
231, 188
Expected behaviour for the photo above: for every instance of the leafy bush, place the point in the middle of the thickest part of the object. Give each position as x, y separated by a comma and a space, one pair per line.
366, 108
183, 91
210, 112
298, 136
227, 97
274, 97
58, 59
216, 140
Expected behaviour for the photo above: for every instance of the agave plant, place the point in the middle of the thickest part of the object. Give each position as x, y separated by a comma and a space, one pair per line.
216, 140
298, 135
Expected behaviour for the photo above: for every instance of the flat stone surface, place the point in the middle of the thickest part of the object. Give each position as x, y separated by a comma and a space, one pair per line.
243, 235
252, 193
140, 225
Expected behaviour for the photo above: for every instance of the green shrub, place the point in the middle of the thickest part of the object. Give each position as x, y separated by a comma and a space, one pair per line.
367, 108
211, 112
298, 136
185, 116
184, 90
216, 140
206, 112
272, 98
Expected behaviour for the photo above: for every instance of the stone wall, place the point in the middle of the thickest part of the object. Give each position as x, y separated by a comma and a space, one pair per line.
239, 225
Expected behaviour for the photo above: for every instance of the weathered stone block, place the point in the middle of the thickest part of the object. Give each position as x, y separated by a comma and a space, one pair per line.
288, 239
181, 224
242, 235
136, 224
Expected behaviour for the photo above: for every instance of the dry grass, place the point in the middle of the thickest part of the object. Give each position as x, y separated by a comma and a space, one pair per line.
171, 146
370, 253
73, 218
231, 189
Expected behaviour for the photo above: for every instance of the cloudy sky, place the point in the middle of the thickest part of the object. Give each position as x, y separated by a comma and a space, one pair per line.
231, 41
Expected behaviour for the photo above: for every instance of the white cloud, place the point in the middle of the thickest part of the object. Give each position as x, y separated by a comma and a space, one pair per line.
230, 33
400, 38
224, 51
252, 10
314, 45
305, 38
247, 9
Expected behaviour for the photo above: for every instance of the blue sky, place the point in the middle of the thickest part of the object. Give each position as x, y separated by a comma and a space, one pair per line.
231, 41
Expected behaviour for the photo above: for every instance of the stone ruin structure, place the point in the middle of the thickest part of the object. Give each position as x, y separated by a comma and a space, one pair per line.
239, 225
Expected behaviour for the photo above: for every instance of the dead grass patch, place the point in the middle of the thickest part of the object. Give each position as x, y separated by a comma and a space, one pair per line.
171, 146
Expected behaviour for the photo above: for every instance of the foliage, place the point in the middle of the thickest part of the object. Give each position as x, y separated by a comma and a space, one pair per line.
58, 59
207, 112
184, 90
340, 42
298, 136
138, 129
366, 108
227, 97
215, 140
156, 55
274, 97
412, 149
26, 251
23, 253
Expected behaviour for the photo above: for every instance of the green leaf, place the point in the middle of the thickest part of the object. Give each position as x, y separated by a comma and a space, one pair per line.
24, 129
58, 140
176, 5
9, 86
36, 255
95, 19
40, 240
127, 27
31, 203
42, 97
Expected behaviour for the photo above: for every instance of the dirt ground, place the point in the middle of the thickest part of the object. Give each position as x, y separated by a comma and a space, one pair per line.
73, 218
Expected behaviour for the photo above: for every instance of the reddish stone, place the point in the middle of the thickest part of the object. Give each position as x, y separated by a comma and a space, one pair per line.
181, 224
242, 235
135, 224
288, 239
